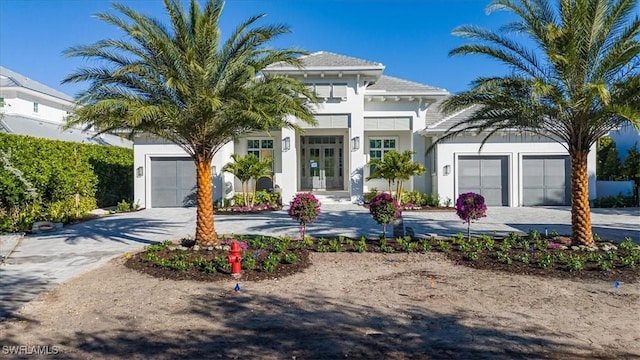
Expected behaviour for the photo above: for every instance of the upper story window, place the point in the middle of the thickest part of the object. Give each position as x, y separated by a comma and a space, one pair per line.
378, 147
329, 91
1, 102
35, 107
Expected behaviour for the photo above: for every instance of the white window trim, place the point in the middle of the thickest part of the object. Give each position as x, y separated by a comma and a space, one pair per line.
383, 149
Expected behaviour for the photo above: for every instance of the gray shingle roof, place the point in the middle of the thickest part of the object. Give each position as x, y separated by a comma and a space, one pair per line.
328, 59
21, 125
397, 85
10, 78
448, 121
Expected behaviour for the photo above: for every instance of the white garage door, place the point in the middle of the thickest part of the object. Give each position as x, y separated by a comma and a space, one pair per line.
485, 175
545, 180
173, 182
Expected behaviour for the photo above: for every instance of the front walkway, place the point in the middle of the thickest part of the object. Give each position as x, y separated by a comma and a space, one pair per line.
42, 261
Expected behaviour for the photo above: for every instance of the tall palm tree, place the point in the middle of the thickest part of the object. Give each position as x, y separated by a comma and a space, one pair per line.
183, 83
574, 77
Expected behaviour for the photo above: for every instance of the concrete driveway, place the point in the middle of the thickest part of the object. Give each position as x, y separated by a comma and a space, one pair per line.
39, 262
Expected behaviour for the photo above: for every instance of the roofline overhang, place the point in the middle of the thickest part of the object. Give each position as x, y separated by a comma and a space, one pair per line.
339, 71
25, 90
384, 94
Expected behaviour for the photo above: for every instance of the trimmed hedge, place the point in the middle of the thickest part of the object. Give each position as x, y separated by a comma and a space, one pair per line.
69, 179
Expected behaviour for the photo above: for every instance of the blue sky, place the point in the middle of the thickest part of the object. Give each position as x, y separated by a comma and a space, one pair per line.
411, 38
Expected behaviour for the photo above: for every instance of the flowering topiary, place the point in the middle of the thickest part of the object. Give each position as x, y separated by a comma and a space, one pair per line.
470, 207
384, 209
304, 208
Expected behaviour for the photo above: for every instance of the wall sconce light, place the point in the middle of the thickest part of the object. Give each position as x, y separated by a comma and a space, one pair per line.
286, 144
355, 143
214, 170
139, 171
446, 170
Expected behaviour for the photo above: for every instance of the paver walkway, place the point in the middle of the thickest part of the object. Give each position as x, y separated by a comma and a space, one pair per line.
42, 261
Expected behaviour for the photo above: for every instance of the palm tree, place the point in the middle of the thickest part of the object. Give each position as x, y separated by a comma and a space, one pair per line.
258, 170
577, 81
241, 168
396, 168
183, 83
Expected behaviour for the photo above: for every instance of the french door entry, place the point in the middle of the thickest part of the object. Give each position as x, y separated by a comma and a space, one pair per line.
321, 163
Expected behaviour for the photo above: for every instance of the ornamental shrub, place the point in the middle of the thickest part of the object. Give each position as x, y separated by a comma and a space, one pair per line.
304, 208
384, 209
470, 207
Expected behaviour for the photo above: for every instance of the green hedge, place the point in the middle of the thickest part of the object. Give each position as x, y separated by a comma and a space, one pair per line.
69, 179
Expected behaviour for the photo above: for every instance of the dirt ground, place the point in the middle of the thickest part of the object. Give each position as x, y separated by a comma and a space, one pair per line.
345, 305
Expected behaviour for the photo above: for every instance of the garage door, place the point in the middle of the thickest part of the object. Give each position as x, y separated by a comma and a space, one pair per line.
173, 182
485, 175
545, 180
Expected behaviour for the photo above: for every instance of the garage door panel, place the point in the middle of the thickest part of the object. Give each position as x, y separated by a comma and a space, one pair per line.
173, 182
545, 180
485, 175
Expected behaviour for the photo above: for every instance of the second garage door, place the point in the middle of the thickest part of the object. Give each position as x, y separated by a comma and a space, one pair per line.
173, 182
485, 175
545, 180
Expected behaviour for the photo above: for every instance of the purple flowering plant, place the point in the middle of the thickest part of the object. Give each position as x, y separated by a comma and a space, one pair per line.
304, 208
470, 207
384, 209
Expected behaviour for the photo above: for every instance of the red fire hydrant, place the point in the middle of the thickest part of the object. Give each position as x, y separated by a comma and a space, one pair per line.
235, 259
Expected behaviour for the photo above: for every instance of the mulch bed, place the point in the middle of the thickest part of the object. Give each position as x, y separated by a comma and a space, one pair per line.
590, 272
485, 261
136, 263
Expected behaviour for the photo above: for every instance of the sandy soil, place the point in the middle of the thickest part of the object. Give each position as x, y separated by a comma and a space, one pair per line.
344, 306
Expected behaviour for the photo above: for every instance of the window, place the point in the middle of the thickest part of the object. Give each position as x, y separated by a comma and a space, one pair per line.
378, 147
323, 91
1, 102
262, 148
339, 91
35, 107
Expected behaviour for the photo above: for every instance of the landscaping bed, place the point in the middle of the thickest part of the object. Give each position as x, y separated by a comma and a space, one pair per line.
267, 257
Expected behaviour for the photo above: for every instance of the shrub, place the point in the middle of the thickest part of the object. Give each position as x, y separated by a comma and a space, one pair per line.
413, 197
42, 179
304, 208
384, 209
470, 207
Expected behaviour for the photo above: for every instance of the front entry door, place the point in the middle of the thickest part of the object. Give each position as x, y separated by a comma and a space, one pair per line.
321, 163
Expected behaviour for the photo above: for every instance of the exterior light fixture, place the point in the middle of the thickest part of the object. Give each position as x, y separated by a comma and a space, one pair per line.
139, 171
446, 170
286, 144
355, 143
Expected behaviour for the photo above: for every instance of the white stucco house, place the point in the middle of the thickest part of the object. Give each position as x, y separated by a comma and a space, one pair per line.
31, 108
363, 114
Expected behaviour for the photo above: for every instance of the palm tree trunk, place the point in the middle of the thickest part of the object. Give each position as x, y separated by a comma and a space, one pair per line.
580, 208
205, 229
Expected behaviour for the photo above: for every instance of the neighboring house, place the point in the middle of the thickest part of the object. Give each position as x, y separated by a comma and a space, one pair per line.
31, 108
362, 115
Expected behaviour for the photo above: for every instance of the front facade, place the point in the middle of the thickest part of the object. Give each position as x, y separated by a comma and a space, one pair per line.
361, 115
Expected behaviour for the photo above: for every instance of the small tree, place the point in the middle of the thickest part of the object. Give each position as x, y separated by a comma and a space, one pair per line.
384, 209
257, 171
396, 168
304, 208
470, 207
241, 168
